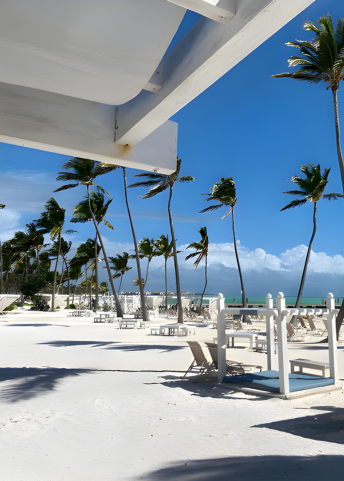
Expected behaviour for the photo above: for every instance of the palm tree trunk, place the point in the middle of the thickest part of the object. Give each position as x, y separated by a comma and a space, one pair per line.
68, 279
91, 290
96, 274
118, 305
340, 316
238, 264
205, 286
147, 272
175, 257
61, 279
303, 278
142, 292
25, 269
165, 283
76, 286
339, 149
55, 276
120, 283
37, 264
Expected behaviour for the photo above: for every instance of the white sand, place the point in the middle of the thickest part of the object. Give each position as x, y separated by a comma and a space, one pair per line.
83, 401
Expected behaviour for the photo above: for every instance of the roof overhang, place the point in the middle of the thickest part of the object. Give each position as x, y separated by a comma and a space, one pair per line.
92, 79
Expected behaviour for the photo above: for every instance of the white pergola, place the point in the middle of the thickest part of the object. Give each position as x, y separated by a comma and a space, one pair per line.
279, 361
92, 78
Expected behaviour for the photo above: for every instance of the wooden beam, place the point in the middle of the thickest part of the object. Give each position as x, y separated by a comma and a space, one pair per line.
79, 128
214, 12
202, 56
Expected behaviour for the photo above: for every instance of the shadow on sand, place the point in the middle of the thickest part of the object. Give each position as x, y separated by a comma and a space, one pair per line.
112, 345
328, 427
205, 386
76, 343
248, 468
146, 347
30, 382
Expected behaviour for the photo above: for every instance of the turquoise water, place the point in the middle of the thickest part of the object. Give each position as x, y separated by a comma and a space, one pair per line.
310, 301
290, 300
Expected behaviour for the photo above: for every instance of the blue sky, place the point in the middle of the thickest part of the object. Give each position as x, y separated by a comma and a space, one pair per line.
251, 127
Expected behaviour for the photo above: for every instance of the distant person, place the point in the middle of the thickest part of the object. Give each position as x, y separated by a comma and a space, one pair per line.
234, 300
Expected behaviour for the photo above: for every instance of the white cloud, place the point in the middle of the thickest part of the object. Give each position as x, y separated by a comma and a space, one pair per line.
9, 221
28, 191
292, 260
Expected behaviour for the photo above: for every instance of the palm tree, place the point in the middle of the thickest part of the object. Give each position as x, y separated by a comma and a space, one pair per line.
201, 251
35, 240
224, 192
322, 60
159, 183
312, 189
52, 221
84, 256
141, 284
120, 266
64, 250
147, 248
164, 248
84, 172
82, 214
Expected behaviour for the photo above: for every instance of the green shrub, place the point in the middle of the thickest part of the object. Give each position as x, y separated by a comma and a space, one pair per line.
11, 307
39, 304
71, 306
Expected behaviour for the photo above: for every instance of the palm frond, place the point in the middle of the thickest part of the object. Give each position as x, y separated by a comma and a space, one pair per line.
192, 255
339, 34
147, 183
227, 213
107, 224
186, 178
296, 192
65, 187
333, 196
68, 176
152, 175
294, 203
101, 189
211, 208
300, 76
195, 245
327, 25
155, 190
311, 27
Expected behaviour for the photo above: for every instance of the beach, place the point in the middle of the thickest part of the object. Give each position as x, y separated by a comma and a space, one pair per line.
83, 401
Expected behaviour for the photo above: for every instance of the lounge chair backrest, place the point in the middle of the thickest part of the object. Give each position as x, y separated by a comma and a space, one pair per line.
198, 353
302, 321
325, 323
213, 352
240, 326
290, 331
311, 324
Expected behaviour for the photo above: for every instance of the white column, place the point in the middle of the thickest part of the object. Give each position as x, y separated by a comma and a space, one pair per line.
332, 338
221, 339
283, 364
220, 303
272, 360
